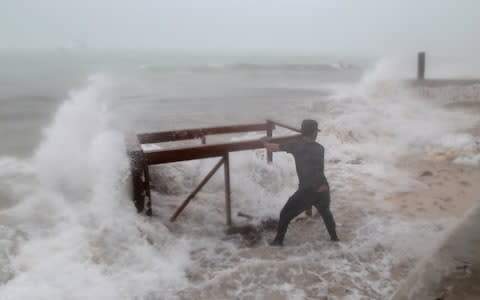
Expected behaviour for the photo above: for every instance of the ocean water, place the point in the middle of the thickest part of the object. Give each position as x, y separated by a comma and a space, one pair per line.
68, 229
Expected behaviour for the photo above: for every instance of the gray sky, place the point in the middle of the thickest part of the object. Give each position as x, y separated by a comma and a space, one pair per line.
338, 26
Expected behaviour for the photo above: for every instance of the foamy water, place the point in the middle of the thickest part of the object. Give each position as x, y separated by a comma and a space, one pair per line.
68, 229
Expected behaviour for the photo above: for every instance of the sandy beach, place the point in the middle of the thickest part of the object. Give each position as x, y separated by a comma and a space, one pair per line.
448, 187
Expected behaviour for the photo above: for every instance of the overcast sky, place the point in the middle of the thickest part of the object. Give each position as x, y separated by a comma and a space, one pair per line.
340, 26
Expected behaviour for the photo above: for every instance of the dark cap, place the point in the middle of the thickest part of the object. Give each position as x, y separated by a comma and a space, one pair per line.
309, 127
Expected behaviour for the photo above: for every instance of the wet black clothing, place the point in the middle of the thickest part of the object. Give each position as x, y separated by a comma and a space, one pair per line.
298, 203
309, 161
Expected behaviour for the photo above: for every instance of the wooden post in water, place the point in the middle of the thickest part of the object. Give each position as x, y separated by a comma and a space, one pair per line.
421, 66
270, 127
139, 173
149, 211
197, 189
226, 166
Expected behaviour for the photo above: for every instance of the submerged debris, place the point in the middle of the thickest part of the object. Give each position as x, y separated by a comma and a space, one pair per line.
252, 234
426, 173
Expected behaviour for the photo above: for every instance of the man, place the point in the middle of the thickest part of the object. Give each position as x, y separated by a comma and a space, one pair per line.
313, 187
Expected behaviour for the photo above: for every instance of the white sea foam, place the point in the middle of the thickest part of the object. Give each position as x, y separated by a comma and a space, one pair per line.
71, 233
469, 160
377, 121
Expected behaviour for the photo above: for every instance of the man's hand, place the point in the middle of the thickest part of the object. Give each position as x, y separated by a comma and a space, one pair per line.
266, 139
272, 147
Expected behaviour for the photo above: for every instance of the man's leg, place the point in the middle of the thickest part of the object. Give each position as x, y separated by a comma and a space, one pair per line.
323, 206
295, 205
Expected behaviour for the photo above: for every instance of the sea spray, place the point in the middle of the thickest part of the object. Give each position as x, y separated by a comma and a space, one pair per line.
73, 232
371, 125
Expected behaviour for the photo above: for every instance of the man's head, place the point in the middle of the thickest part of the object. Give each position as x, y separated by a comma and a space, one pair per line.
310, 128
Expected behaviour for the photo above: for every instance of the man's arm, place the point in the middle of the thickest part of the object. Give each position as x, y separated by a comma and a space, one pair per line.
272, 147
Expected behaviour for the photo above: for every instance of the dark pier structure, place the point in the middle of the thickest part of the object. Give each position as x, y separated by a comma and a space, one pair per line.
140, 159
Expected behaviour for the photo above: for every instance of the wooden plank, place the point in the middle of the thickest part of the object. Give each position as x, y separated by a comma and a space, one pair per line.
132, 143
137, 168
197, 189
206, 151
196, 133
270, 128
285, 126
228, 207
148, 195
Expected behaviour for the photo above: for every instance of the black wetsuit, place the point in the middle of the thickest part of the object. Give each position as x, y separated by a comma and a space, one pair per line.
309, 162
